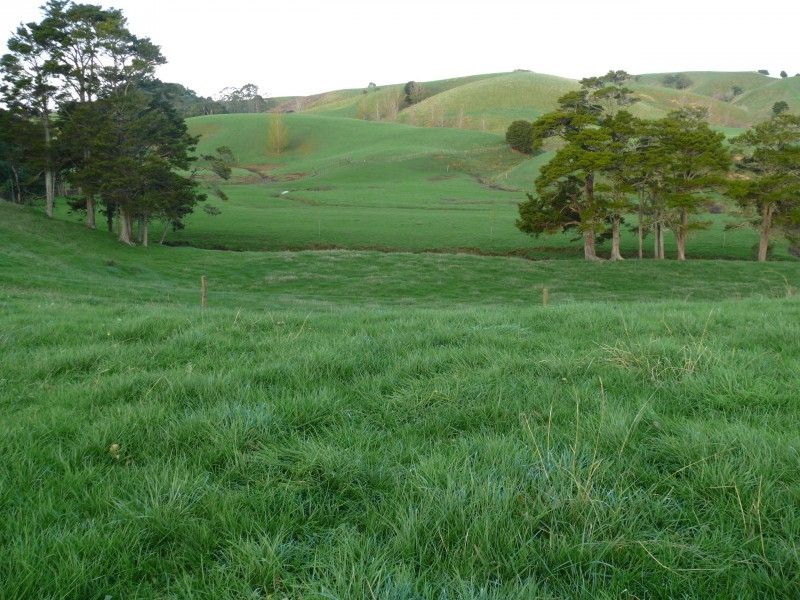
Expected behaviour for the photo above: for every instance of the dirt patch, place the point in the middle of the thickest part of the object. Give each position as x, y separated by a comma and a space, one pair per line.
493, 185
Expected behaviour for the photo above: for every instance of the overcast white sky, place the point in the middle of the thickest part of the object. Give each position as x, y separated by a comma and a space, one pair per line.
290, 47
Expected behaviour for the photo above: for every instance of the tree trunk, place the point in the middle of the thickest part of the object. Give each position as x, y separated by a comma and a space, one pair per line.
19, 188
110, 210
145, 225
49, 183
589, 252
683, 231
641, 232
658, 236
164, 234
90, 212
90, 207
615, 253
125, 226
49, 191
766, 228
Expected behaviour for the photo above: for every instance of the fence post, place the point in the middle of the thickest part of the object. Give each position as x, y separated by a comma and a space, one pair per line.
545, 296
203, 292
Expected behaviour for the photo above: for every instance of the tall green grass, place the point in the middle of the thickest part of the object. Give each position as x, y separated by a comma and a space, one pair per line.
360, 425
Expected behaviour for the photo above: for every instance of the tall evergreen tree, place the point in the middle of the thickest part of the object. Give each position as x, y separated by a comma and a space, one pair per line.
688, 159
769, 176
30, 88
138, 143
578, 122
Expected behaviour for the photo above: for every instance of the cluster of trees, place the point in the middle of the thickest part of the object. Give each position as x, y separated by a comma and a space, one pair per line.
245, 99
783, 74
667, 171
85, 113
679, 81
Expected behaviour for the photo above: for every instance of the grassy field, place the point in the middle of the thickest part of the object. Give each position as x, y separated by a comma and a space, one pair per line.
345, 183
380, 405
372, 425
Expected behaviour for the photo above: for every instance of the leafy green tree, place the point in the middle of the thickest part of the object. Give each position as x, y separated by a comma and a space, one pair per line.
413, 92
519, 136
688, 160
138, 144
620, 175
20, 144
779, 108
763, 71
784, 74
86, 40
30, 88
588, 148
769, 181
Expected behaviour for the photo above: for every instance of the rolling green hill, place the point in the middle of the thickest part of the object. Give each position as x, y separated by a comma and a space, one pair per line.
490, 102
715, 84
347, 103
347, 183
759, 101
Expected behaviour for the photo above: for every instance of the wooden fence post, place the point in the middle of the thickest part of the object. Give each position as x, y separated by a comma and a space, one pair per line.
203, 292
545, 296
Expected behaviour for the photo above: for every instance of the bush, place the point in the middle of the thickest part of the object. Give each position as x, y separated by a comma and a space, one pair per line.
519, 136
779, 107
414, 92
679, 81
763, 71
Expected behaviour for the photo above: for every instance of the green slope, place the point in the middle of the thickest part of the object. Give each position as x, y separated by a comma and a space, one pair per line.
491, 104
346, 103
759, 101
715, 84
345, 183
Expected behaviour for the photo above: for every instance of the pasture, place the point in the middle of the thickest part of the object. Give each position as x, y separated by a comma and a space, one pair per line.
371, 425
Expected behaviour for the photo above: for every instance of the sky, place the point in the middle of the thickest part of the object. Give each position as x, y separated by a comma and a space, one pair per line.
296, 47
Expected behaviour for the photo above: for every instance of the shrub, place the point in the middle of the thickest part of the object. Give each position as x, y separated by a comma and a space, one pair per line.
519, 136
413, 92
779, 107
679, 81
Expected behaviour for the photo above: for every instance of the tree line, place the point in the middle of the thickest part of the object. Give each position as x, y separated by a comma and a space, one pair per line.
668, 172
85, 114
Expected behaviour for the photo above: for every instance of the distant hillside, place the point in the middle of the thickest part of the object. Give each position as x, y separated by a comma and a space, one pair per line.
489, 102
759, 101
